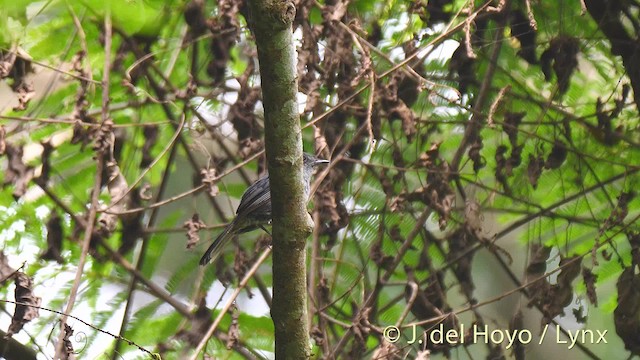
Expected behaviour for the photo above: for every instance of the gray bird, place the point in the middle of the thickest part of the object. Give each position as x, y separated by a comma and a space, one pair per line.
254, 210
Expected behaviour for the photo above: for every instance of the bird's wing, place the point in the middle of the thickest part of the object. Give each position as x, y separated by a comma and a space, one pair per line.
257, 196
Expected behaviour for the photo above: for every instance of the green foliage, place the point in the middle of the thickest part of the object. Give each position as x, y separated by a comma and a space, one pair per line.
161, 67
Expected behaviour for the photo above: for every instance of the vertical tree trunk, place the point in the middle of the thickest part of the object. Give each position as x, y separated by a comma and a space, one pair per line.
271, 23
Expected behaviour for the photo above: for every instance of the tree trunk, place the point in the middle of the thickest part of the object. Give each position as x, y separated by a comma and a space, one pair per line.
271, 24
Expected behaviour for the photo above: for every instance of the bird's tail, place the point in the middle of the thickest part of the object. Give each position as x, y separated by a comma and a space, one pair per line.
218, 244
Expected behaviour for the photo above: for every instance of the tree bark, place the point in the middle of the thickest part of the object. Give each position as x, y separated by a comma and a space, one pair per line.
271, 23
12, 349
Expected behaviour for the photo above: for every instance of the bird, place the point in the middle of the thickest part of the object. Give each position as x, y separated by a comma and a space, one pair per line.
254, 211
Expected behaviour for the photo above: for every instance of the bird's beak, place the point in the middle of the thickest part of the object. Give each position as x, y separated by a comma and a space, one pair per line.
320, 162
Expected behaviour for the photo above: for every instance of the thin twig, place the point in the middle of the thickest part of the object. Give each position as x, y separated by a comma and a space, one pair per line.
74, 122
189, 192
229, 302
440, 38
68, 315
149, 167
494, 105
55, 69
385, 278
154, 288
95, 194
83, 43
141, 256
